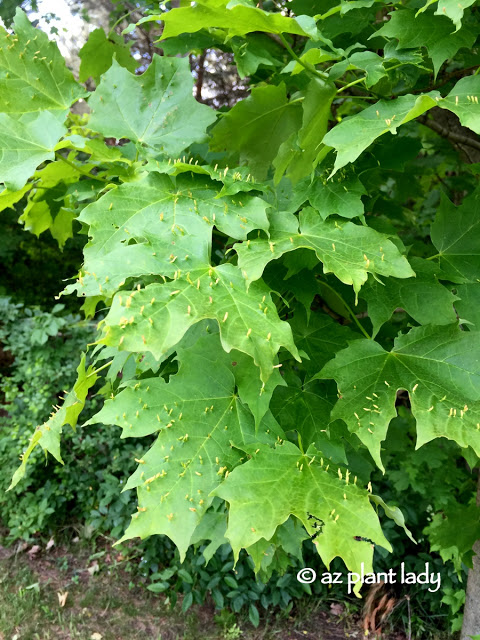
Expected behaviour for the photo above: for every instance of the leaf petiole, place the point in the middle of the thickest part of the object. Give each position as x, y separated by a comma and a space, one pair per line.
349, 309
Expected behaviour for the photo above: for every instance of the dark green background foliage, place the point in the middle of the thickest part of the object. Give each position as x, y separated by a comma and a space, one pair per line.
281, 297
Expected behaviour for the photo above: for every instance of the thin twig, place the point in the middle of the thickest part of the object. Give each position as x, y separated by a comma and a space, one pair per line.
409, 619
81, 171
349, 309
305, 65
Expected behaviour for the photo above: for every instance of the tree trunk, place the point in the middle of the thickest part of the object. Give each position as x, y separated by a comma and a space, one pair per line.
471, 616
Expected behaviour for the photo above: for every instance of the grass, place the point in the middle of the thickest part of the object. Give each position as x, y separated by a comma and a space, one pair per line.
70, 593
30, 608
103, 603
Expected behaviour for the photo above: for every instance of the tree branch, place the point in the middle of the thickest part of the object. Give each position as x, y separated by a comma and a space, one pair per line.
454, 136
200, 74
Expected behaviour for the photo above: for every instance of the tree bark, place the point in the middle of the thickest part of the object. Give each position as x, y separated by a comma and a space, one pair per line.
448, 126
200, 74
471, 616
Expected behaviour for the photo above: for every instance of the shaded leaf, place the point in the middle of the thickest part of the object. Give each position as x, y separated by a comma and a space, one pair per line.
306, 409
468, 305
422, 297
320, 337
425, 30
212, 527
340, 196
456, 235
452, 541
265, 115
254, 51
300, 160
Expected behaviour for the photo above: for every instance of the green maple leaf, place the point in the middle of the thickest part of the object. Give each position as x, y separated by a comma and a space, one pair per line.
251, 390
287, 198
438, 366
274, 554
9, 198
371, 63
36, 216
347, 250
97, 54
422, 297
159, 226
26, 141
48, 434
58, 172
33, 74
156, 110
156, 318
62, 225
311, 57
468, 304
424, 30
211, 527
354, 134
237, 180
237, 21
232, 180
299, 159
197, 415
265, 115
456, 235
463, 101
450, 8
185, 43
340, 196
306, 408
276, 483
99, 151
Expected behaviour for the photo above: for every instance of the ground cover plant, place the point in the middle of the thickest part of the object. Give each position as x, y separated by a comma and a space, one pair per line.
276, 279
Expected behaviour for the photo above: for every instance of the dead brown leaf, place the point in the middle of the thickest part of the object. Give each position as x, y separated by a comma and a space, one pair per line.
62, 598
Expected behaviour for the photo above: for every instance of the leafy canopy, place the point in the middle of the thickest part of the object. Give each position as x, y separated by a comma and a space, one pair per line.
273, 278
